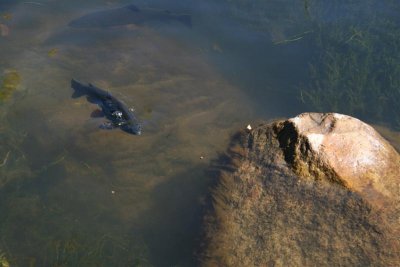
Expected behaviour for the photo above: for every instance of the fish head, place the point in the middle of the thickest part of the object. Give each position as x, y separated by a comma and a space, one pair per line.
134, 128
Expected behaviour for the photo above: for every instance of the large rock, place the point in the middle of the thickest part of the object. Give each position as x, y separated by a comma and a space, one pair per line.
314, 190
342, 149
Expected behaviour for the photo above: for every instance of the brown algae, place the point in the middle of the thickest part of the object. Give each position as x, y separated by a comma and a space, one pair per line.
52, 52
10, 82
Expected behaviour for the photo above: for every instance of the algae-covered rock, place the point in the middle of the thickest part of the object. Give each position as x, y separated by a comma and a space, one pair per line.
11, 80
315, 190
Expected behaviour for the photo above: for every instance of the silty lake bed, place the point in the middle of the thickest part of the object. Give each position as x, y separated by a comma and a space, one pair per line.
72, 194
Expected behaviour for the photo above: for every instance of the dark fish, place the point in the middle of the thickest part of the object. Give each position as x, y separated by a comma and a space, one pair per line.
114, 110
130, 14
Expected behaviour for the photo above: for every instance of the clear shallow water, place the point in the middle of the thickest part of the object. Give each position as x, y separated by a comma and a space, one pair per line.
72, 194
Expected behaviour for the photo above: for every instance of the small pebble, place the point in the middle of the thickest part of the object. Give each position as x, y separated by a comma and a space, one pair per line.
201, 157
112, 192
248, 127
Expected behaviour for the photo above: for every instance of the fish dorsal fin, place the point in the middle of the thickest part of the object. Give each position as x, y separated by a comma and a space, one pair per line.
133, 7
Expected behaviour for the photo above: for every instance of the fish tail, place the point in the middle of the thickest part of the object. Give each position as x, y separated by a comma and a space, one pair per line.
79, 88
185, 20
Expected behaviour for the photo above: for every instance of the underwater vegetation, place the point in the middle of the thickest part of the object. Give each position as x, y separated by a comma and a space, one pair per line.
356, 65
3, 260
281, 19
105, 251
354, 47
52, 52
9, 83
6, 16
54, 237
12, 158
41, 227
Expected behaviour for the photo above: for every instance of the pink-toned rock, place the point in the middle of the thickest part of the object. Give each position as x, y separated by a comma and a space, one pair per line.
346, 150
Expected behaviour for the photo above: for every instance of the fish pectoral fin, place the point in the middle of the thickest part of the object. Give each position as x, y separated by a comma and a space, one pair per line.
133, 8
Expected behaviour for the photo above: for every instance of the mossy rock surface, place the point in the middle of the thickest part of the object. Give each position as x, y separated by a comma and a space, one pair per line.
277, 202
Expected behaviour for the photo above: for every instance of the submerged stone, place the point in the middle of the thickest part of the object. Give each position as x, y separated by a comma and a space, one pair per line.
315, 190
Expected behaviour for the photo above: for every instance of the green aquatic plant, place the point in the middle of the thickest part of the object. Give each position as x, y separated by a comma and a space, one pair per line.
354, 48
356, 64
294, 38
10, 82
52, 52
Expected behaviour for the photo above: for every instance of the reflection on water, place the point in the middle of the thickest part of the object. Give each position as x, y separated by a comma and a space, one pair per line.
72, 194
